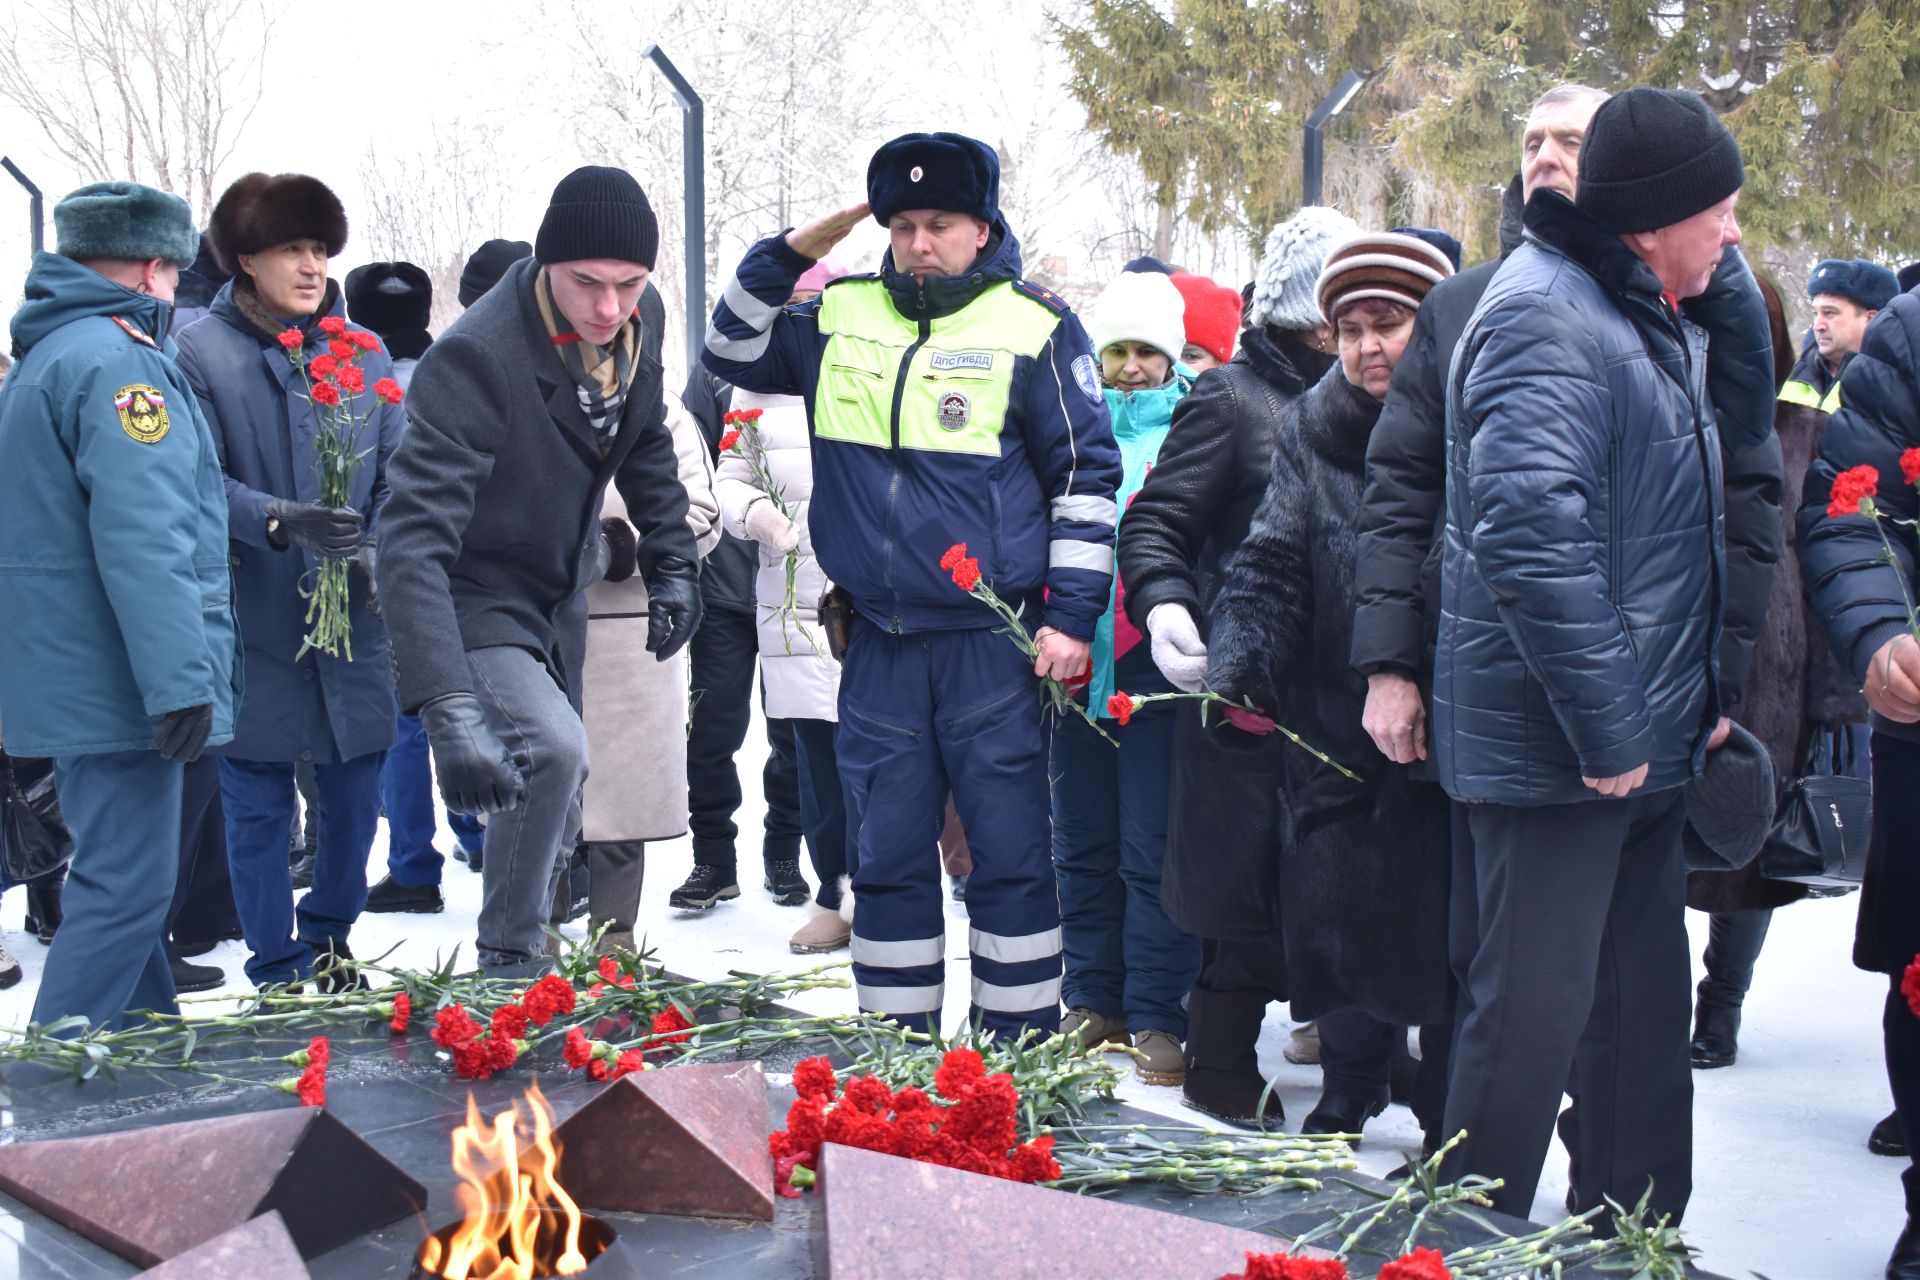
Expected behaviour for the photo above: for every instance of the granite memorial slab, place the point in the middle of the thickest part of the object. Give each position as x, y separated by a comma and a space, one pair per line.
152, 1194
688, 1141
257, 1249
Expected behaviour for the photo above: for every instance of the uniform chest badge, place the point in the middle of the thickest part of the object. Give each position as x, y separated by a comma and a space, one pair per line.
955, 410
143, 412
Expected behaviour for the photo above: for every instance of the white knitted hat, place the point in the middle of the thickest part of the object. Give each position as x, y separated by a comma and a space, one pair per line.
1142, 306
1283, 292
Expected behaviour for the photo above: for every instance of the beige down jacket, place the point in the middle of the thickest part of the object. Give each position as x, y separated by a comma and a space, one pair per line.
635, 708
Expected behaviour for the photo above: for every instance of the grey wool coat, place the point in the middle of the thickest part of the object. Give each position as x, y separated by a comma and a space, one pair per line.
493, 530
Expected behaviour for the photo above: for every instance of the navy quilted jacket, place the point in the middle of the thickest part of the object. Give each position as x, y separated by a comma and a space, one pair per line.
1582, 588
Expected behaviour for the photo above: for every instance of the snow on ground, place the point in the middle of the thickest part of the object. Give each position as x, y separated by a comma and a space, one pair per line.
1784, 1186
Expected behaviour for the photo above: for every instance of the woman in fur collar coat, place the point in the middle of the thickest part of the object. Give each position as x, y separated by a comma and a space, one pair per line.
1363, 864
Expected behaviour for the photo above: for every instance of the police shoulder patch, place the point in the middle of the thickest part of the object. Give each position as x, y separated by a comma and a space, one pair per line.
143, 412
1088, 376
1042, 295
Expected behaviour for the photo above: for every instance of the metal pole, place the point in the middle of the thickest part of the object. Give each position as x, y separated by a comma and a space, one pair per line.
694, 181
1313, 155
36, 205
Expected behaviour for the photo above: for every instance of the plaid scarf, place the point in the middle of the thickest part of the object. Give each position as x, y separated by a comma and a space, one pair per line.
601, 375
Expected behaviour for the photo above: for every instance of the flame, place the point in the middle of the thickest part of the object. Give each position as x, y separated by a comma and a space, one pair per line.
509, 1202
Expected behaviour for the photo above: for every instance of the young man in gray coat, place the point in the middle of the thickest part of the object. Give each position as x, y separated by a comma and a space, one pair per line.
522, 411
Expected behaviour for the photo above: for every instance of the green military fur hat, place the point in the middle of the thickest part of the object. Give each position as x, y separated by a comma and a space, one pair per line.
125, 220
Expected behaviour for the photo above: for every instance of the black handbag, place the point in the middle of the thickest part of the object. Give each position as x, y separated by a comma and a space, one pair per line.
33, 839
1824, 820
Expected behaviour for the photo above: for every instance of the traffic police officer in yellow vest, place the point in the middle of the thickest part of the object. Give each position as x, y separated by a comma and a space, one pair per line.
949, 402
119, 656
1846, 296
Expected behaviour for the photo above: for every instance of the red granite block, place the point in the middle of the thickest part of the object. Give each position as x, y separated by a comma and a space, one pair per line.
686, 1140
152, 1194
887, 1218
259, 1249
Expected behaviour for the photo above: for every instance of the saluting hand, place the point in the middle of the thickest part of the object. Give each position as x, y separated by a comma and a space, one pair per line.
817, 238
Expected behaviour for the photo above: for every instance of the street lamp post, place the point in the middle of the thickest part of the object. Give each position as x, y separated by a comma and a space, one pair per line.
36, 216
694, 183
1313, 156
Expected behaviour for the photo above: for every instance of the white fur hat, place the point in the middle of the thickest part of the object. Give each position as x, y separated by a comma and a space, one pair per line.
1142, 306
1283, 292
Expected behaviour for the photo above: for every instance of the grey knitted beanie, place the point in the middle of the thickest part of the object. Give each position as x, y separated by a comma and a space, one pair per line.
1296, 250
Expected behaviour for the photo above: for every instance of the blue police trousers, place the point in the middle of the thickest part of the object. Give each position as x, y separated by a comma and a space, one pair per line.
922, 715
406, 792
109, 957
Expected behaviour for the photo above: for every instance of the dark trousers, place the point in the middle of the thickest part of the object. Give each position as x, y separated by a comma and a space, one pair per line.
202, 908
258, 797
823, 806
468, 830
1356, 1058
108, 957
1578, 985
921, 715
1239, 978
1734, 939
406, 790
1890, 927
1124, 958
725, 651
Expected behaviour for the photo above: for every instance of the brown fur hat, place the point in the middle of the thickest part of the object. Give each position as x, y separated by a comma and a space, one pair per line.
262, 210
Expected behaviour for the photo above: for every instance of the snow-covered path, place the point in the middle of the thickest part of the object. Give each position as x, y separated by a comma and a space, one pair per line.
1783, 1183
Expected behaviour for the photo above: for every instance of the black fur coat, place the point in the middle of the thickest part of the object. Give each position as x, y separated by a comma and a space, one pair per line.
1364, 866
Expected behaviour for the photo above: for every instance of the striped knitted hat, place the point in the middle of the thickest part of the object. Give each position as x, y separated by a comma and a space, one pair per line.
1387, 265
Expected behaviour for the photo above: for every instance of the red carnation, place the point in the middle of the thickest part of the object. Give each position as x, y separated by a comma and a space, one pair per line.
1421, 1264
389, 390
323, 366
353, 378
1120, 707
470, 1060
292, 339
1910, 986
668, 1021
579, 1050
966, 574
318, 1050
955, 554
958, 1069
868, 1094
509, 1022
813, 1078
1910, 465
364, 340
1034, 1162
547, 998
729, 440
598, 1069
629, 1062
402, 1013
783, 1175
342, 349
501, 1054
911, 1101
312, 1086
1281, 1266
332, 326
1850, 488
751, 415
453, 1025
326, 393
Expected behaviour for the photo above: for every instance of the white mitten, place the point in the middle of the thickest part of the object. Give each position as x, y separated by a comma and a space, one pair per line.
1177, 648
766, 526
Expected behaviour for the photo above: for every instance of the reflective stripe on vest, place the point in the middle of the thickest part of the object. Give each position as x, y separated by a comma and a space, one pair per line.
954, 388
1805, 394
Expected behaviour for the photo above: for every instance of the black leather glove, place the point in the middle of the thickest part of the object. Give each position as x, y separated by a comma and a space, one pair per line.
367, 560
621, 546
477, 772
331, 531
673, 606
183, 734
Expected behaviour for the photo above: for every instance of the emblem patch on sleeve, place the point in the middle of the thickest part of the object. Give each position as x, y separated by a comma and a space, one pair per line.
1088, 377
955, 411
143, 412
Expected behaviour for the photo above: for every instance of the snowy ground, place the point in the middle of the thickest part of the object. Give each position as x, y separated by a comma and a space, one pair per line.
1784, 1184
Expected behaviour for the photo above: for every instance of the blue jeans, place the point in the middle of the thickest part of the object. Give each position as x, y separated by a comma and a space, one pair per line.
406, 788
109, 957
1124, 957
258, 797
468, 830
823, 806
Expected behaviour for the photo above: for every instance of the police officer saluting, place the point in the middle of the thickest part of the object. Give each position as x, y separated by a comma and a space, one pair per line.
949, 402
121, 657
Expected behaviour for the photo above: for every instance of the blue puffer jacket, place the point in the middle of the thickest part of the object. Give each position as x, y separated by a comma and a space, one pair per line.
318, 707
1583, 582
1851, 587
115, 595
895, 484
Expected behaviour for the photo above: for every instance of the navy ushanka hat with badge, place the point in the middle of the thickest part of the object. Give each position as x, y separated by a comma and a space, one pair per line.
934, 171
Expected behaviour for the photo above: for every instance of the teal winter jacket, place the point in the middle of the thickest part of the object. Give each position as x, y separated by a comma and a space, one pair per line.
115, 591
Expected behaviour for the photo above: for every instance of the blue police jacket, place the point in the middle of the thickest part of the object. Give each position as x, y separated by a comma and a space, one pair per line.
321, 708
115, 592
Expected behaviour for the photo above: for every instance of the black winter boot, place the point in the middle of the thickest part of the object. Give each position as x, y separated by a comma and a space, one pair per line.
1716, 1035
43, 909
706, 886
784, 881
1232, 1097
